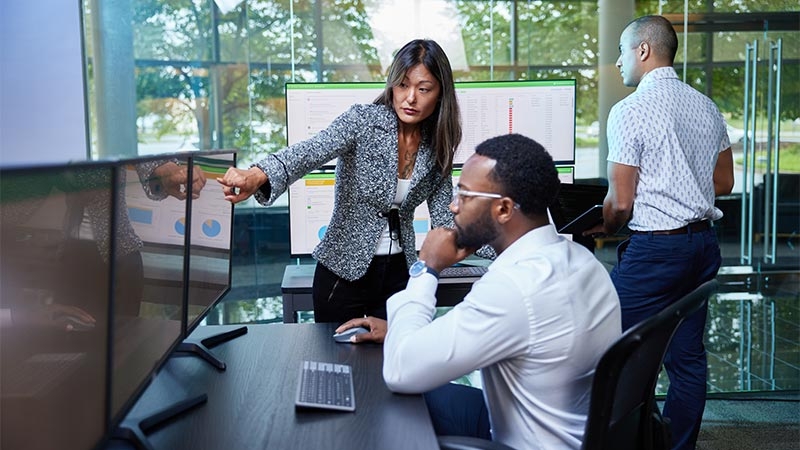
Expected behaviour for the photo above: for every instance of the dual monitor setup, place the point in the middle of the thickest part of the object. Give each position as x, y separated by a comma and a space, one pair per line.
107, 267
543, 110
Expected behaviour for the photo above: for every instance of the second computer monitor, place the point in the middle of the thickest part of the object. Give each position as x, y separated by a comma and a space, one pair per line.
210, 238
543, 110
311, 201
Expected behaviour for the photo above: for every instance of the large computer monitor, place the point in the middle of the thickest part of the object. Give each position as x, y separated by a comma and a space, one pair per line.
55, 282
210, 239
99, 264
203, 218
150, 272
185, 225
543, 110
311, 201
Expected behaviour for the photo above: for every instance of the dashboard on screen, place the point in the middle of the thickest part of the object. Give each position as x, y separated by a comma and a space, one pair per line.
543, 110
311, 201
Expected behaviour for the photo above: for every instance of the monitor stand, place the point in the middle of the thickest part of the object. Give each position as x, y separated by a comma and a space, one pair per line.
201, 347
134, 429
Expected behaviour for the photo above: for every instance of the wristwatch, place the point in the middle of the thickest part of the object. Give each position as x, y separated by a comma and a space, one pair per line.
419, 267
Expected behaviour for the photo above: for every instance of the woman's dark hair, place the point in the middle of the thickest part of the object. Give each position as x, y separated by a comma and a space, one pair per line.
523, 170
444, 125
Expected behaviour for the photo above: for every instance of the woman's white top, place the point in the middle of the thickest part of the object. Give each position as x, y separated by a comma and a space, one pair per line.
387, 246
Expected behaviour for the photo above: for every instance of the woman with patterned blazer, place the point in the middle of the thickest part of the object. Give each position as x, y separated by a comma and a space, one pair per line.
391, 156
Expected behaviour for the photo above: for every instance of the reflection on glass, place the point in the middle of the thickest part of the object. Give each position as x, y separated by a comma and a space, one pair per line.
54, 284
211, 234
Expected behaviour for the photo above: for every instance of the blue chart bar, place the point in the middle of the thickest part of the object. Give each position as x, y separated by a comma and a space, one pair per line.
141, 215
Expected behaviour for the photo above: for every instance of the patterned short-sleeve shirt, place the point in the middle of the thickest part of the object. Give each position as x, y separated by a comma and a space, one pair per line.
674, 135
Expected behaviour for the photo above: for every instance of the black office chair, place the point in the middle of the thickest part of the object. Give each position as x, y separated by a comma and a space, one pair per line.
622, 410
469, 443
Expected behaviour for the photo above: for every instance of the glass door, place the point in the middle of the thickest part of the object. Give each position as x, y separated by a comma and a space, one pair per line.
753, 318
770, 223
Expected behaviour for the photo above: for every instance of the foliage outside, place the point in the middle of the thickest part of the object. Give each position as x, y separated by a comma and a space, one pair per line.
217, 80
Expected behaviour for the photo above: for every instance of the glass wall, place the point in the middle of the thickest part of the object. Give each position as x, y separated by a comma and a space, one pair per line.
167, 75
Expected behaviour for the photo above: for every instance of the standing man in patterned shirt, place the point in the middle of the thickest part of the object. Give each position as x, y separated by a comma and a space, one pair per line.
669, 156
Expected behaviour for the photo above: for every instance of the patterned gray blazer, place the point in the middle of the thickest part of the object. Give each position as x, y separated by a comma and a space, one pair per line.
364, 139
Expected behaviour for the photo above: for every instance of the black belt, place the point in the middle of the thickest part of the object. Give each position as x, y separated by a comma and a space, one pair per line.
695, 227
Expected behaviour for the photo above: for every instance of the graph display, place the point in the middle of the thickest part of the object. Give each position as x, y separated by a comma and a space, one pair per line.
543, 110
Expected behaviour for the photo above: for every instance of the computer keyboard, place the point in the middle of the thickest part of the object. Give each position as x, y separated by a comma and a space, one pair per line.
325, 385
463, 271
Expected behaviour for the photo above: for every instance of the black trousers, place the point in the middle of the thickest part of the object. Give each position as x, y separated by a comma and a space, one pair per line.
338, 300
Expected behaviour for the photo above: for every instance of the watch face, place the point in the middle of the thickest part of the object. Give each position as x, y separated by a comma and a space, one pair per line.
417, 269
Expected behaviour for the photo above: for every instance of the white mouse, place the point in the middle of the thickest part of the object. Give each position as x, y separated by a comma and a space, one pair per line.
344, 336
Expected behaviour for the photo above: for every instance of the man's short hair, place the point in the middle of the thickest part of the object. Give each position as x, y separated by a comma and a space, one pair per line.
659, 33
524, 171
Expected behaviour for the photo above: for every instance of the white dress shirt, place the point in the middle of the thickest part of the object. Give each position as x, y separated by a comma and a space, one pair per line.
535, 324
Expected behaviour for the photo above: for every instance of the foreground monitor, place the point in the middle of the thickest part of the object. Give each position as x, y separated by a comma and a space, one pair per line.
149, 274
211, 237
178, 211
96, 274
56, 236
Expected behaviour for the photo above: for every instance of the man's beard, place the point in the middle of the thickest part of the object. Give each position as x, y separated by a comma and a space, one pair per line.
477, 234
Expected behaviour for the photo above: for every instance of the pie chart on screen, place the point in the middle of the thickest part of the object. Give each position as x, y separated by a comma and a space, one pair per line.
180, 226
211, 228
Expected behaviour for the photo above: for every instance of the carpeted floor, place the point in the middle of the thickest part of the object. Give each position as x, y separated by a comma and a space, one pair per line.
756, 421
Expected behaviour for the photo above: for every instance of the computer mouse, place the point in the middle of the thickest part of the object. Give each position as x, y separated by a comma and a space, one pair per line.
345, 335
73, 323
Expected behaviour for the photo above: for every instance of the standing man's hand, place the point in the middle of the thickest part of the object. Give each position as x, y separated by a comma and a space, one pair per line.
596, 231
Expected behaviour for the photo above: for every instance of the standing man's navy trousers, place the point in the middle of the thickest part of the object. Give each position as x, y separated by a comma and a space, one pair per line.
652, 272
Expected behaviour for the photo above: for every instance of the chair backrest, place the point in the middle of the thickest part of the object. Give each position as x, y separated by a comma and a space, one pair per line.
622, 405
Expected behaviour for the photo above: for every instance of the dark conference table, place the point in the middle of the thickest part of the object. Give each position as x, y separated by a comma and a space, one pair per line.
251, 404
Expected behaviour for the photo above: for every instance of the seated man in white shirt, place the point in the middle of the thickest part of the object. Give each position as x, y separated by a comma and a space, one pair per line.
535, 324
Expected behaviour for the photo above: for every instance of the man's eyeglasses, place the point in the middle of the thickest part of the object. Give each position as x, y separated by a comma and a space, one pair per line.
458, 193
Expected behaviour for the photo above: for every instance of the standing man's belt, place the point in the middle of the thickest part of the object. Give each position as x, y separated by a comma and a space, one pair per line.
695, 227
